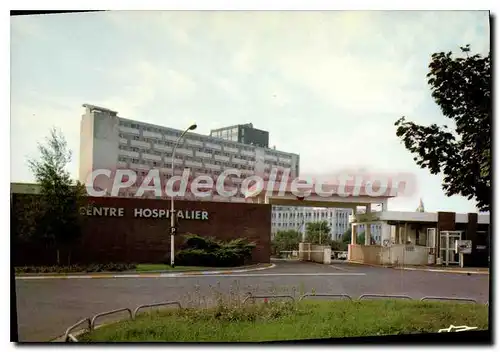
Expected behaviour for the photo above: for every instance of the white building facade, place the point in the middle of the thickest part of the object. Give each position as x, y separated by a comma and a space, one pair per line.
376, 232
111, 142
294, 218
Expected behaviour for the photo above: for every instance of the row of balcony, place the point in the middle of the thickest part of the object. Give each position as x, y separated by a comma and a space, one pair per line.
187, 163
219, 158
192, 142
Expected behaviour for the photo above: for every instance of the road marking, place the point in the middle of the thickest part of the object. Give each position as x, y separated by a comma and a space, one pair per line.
339, 268
287, 274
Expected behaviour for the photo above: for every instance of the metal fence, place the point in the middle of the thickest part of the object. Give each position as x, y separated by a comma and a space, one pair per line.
90, 322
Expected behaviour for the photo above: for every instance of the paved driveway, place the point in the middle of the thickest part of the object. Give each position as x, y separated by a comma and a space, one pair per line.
47, 307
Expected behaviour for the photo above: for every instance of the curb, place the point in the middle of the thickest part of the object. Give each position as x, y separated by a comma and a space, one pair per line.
422, 269
369, 264
145, 275
447, 271
199, 273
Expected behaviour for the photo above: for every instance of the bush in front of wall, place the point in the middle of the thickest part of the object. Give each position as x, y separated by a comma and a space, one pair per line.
195, 257
208, 252
92, 268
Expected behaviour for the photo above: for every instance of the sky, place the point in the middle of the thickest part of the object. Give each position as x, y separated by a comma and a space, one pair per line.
326, 85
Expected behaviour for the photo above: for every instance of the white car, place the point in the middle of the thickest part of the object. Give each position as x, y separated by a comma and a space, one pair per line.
342, 255
339, 255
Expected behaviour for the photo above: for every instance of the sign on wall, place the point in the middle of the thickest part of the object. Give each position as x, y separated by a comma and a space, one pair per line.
153, 213
463, 246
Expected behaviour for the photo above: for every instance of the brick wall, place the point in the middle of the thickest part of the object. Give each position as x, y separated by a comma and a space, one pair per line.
133, 239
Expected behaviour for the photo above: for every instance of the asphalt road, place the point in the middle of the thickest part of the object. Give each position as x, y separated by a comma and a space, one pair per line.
45, 308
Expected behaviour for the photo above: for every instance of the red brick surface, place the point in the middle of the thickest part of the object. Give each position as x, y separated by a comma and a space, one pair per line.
147, 240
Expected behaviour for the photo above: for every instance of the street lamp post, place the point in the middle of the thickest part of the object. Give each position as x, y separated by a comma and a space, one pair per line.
172, 209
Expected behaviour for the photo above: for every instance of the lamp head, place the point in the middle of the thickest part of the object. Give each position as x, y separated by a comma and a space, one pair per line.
192, 127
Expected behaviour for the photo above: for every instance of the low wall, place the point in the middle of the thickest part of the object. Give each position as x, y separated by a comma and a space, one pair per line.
394, 255
321, 254
305, 251
131, 230
409, 254
315, 253
365, 254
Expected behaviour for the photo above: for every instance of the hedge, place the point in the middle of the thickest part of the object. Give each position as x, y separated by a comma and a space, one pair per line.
92, 268
206, 251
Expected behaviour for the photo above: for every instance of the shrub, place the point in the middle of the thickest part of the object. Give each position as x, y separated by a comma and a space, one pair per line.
195, 257
201, 251
198, 242
228, 257
92, 268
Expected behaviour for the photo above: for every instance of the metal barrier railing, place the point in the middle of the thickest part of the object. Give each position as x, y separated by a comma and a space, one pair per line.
325, 295
373, 295
170, 303
67, 334
268, 296
71, 338
432, 298
92, 323
68, 337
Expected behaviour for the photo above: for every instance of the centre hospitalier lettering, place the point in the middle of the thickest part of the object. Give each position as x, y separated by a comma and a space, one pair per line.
153, 213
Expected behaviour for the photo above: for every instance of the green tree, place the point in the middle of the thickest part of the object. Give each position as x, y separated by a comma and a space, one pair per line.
55, 212
361, 239
346, 237
338, 246
318, 232
287, 240
461, 86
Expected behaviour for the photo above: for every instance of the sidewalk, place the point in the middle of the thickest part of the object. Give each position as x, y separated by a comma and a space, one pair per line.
438, 269
160, 274
455, 270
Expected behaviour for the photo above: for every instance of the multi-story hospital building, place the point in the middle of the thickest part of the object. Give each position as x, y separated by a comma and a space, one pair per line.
111, 142
108, 141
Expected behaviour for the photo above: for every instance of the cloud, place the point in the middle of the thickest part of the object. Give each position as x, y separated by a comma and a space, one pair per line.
31, 124
144, 83
27, 27
327, 85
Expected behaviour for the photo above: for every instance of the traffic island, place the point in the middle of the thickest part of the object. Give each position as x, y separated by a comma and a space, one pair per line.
146, 270
282, 320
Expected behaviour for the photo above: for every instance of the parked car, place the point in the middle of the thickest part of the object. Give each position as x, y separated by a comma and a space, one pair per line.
339, 255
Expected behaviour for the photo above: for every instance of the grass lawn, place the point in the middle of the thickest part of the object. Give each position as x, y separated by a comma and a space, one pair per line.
285, 321
166, 267
141, 268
